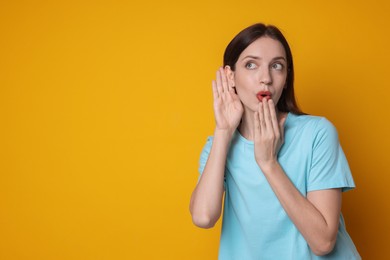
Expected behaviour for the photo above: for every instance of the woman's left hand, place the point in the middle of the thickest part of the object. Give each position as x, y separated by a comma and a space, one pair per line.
269, 134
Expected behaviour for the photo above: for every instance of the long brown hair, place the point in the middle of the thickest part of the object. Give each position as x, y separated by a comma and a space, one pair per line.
287, 101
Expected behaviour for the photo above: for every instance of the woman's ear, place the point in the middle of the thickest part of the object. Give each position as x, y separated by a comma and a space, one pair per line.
230, 76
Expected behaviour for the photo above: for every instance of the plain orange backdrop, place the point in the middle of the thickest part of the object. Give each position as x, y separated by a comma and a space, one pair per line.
105, 106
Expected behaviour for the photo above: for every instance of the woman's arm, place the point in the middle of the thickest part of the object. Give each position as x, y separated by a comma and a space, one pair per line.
206, 199
317, 216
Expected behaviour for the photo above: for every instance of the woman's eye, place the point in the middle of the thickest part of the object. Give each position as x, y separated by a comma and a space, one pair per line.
250, 65
277, 66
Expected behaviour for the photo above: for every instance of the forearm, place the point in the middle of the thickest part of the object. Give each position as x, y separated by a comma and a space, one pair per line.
206, 199
318, 229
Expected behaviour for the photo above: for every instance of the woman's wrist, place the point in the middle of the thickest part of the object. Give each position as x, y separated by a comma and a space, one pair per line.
223, 133
269, 166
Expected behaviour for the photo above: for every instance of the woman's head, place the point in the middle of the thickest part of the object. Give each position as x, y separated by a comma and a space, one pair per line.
246, 37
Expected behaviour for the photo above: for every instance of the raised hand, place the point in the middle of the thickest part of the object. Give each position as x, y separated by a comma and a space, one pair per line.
228, 109
269, 133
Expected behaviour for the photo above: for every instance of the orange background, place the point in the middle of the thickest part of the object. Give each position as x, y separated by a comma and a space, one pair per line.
105, 106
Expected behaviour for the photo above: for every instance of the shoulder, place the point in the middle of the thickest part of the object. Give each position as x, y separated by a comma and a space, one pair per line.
316, 127
316, 123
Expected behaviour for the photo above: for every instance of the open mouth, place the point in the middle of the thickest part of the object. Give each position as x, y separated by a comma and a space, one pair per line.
264, 94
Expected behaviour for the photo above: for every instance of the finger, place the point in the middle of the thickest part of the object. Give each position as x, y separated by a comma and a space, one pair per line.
224, 80
261, 117
230, 85
267, 116
219, 83
215, 91
274, 119
257, 125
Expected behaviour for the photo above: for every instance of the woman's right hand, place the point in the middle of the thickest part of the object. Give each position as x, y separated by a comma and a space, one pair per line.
228, 108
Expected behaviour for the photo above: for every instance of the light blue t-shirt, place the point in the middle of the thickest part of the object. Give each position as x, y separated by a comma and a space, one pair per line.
255, 225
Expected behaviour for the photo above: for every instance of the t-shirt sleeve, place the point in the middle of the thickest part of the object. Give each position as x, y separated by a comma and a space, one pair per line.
205, 154
204, 157
329, 167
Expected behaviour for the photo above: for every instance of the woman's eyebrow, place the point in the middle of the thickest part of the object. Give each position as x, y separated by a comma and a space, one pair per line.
279, 58
251, 57
259, 58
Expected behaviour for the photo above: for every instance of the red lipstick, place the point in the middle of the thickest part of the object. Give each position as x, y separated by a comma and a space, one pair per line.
263, 94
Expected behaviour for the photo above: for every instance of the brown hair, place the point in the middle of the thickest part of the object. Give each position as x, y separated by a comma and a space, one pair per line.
287, 101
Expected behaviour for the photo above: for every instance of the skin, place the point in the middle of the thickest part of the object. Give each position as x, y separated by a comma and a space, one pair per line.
261, 67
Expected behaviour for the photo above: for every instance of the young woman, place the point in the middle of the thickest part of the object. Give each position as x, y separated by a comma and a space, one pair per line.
282, 172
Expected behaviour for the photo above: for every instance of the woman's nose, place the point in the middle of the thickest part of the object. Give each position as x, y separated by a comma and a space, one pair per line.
265, 76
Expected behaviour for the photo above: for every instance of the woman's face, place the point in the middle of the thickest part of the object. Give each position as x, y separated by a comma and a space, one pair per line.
261, 72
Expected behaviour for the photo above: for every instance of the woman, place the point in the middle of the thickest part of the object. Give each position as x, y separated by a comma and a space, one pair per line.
282, 171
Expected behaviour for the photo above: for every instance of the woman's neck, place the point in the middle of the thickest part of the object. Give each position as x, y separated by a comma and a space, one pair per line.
246, 127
